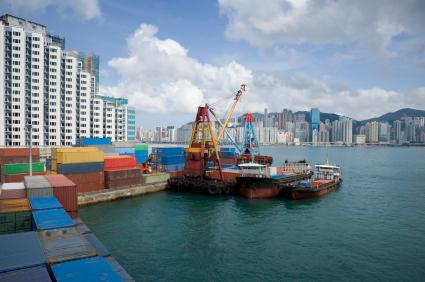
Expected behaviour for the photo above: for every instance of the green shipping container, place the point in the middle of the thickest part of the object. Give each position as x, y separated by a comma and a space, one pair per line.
141, 147
22, 168
13, 222
155, 178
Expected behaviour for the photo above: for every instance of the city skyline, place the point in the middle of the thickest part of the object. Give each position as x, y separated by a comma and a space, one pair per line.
154, 51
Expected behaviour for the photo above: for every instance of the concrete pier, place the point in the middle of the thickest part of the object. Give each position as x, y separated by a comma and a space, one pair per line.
114, 194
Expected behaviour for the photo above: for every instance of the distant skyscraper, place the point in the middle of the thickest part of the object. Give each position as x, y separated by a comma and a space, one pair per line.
266, 118
384, 132
372, 132
397, 131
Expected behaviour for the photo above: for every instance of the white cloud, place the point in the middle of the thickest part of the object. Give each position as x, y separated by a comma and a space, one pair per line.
372, 24
159, 75
86, 9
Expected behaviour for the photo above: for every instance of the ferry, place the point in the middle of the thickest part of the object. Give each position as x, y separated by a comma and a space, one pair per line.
327, 179
259, 181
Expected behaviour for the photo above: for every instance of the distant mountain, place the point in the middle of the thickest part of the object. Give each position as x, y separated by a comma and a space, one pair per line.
391, 117
388, 117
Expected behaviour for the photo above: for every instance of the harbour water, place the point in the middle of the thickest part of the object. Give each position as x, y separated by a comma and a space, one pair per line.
372, 228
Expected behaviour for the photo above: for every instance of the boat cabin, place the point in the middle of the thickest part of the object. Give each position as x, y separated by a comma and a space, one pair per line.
329, 172
254, 170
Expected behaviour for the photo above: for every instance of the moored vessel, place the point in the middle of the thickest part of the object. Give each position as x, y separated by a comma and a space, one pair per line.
258, 181
328, 178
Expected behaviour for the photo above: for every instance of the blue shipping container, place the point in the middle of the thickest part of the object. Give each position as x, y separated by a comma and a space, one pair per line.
173, 167
168, 151
44, 203
228, 149
50, 219
89, 269
88, 141
79, 168
227, 155
141, 156
20, 250
168, 160
38, 273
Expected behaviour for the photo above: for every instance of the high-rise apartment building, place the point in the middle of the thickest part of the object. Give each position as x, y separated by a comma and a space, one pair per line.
51, 93
372, 132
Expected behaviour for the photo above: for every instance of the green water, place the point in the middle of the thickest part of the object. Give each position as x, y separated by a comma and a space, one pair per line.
373, 228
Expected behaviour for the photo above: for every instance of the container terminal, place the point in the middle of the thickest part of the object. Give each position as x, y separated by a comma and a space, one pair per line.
41, 234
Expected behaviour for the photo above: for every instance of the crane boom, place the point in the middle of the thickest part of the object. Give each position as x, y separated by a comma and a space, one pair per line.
230, 112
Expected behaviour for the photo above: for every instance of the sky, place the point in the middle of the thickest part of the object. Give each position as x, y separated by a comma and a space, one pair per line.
355, 58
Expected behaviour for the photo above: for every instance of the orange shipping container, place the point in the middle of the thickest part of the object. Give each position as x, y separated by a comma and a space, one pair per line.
18, 152
8, 178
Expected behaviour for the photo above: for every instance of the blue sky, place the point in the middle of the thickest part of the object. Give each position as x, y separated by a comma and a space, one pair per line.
354, 58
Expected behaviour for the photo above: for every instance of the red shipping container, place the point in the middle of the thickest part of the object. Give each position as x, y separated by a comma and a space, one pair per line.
119, 163
18, 152
65, 191
17, 177
87, 182
18, 160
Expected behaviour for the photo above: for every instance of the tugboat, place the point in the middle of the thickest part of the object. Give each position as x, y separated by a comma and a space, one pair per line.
327, 179
259, 181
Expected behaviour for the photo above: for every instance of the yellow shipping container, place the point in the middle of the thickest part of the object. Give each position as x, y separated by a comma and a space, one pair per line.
14, 205
54, 165
77, 155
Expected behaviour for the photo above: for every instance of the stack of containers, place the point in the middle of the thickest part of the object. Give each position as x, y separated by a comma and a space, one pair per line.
22, 258
121, 172
14, 190
17, 156
15, 216
170, 159
141, 153
83, 166
227, 155
66, 192
17, 172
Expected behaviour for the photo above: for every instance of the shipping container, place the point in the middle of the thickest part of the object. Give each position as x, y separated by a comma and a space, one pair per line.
38, 273
168, 151
76, 155
15, 190
90, 141
88, 269
38, 187
141, 147
141, 156
22, 168
228, 149
172, 167
65, 191
227, 155
119, 162
17, 160
20, 250
18, 152
51, 219
18, 177
79, 168
122, 178
171, 159
119, 269
15, 216
44, 203
101, 250
64, 244
87, 182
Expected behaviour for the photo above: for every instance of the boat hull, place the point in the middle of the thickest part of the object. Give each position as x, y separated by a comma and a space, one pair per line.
298, 193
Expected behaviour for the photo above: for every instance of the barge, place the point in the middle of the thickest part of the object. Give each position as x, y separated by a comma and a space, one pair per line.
328, 178
258, 181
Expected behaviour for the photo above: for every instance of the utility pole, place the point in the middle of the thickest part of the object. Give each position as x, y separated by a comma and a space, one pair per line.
30, 162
